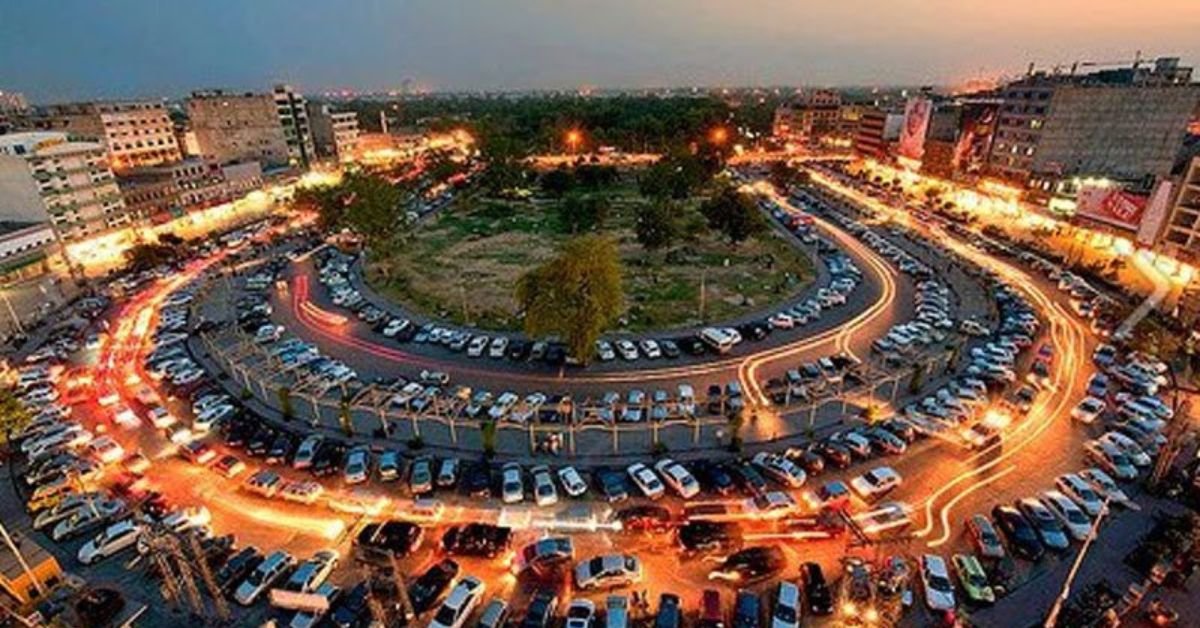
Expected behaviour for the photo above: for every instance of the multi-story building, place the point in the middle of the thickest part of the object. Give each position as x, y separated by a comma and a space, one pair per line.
335, 133
808, 117
25, 248
1125, 124
293, 117
1181, 235
237, 127
135, 133
51, 176
158, 194
868, 137
12, 105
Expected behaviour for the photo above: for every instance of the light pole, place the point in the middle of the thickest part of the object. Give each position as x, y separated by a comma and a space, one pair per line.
1052, 617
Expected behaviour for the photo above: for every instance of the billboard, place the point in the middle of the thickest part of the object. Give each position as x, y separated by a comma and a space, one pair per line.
975, 138
916, 123
1111, 205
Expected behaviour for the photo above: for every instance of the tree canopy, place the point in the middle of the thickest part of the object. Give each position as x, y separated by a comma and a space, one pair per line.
13, 415
575, 296
734, 214
579, 212
658, 224
365, 203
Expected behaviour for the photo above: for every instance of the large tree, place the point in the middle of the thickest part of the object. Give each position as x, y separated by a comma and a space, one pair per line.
14, 415
734, 214
658, 224
576, 295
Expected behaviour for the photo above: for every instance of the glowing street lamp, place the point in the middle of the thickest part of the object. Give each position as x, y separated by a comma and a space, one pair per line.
718, 136
574, 138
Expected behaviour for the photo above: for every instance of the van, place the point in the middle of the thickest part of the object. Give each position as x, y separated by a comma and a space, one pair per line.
717, 339
271, 568
616, 612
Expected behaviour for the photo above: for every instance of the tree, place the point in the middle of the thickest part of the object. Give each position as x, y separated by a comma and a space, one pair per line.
734, 214
285, 402
781, 175
576, 295
372, 208
583, 212
14, 416
657, 224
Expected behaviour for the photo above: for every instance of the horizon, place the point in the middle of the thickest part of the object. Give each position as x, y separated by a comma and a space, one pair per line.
134, 49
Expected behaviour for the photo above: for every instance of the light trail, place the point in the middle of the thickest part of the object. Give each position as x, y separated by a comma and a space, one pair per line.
1066, 336
945, 512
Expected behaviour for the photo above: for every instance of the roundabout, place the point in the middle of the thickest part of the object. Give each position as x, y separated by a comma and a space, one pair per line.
333, 427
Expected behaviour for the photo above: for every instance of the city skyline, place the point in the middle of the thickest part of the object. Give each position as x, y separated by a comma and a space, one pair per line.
78, 50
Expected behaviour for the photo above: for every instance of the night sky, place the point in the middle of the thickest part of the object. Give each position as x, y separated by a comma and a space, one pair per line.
70, 49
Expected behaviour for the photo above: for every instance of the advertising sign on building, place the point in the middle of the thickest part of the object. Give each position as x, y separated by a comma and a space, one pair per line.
916, 123
975, 139
1111, 205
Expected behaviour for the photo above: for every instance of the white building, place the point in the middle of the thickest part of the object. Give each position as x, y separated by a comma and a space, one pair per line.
293, 117
335, 133
135, 133
51, 176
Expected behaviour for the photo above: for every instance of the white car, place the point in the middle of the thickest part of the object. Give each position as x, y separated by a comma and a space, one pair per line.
781, 321
544, 491
610, 570
306, 452
477, 346
498, 347
875, 483
1110, 458
580, 614
780, 469
459, 604
1129, 447
181, 435
650, 349
939, 589
511, 486
604, 351
677, 477
190, 518
1104, 485
114, 538
357, 466
211, 417
646, 480
161, 418
263, 576
572, 482
627, 349
1081, 492
1088, 410
313, 572
1068, 513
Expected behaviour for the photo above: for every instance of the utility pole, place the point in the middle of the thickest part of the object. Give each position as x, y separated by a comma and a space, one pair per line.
703, 292
1052, 617
12, 546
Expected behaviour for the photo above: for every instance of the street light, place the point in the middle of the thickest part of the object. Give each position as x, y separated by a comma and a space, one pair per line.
574, 138
718, 135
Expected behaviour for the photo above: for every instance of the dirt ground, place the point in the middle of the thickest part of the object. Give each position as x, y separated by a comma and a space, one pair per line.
463, 264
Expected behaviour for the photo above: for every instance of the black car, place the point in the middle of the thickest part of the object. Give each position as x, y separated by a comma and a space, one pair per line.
477, 539
714, 477
351, 608
902, 429
328, 458
754, 331
692, 345
518, 350
258, 444
835, 454
556, 355
612, 485
540, 613
669, 348
281, 449
1020, 533
645, 518
747, 610
812, 462
670, 613
816, 590
237, 568
748, 477
379, 542
750, 564
425, 592
476, 480
238, 431
707, 536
